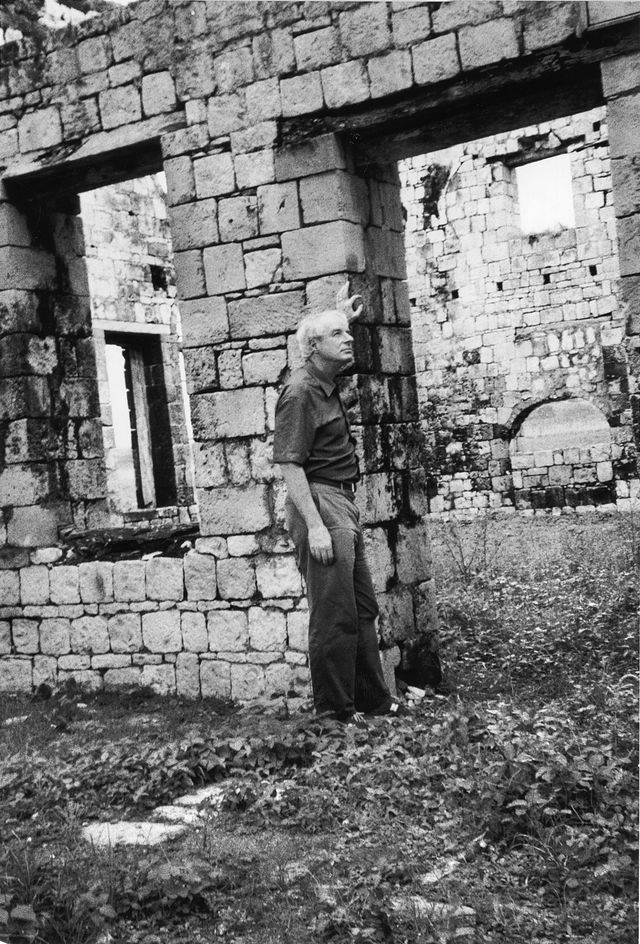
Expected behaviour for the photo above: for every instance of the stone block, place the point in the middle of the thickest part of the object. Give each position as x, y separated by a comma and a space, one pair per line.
204, 321
628, 228
263, 267
235, 510
396, 621
125, 632
487, 43
200, 576
233, 69
55, 636
14, 229
228, 630
190, 275
34, 585
385, 252
278, 208
247, 682
273, 53
158, 94
237, 219
45, 671
298, 630
181, 185
215, 679
264, 367
119, 106
449, 16
224, 269
161, 678
435, 60
94, 54
236, 578
376, 499
255, 169
21, 485
365, 29
161, 631
226, 113
64, 586
324, 152
410, 25
345, 84
301, 95
188, 675
164, 578
413, 554
5, 637
265, 314
228, 414
129, 677
89, 634
316, 49
379, 558
194, 632
263, 101
390, 73
334, 196
40, 129
214, 175
550, 26
320, 250
194, 225
620, 75
129, 580
267, 629
96, 581
15, 675
278, 576
22, 268
25, 636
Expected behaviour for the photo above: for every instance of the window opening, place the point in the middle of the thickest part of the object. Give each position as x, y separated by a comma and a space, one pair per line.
545, 195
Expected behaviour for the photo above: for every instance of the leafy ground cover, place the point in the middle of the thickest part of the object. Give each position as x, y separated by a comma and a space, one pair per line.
506, 812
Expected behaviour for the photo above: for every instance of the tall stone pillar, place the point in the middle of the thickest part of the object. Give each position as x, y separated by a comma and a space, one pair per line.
51, 467
261, 239
621, 86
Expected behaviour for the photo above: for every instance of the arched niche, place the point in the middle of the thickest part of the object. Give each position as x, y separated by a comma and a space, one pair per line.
560, 425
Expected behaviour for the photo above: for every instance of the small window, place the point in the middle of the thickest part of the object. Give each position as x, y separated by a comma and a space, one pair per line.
545, 195
139, 462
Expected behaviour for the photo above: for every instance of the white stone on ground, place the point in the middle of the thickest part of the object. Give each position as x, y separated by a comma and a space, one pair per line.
212, 796
131, 833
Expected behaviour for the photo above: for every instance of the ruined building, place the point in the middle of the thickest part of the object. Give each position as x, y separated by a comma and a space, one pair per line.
517, 325
278, 128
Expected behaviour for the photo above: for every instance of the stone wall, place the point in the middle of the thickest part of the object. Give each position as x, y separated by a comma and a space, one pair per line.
504, 320
249, 108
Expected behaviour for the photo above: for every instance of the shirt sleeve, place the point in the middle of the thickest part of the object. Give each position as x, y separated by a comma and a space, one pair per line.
295, 427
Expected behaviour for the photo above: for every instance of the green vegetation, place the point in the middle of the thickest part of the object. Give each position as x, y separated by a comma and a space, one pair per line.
506, 813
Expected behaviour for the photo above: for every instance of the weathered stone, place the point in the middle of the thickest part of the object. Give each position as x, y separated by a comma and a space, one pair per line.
40, 129
64, 585
125, 632
263, 267
264, 367
119, 106
215, 679
267, 629
161, 631
194, 225
265, 314
345, 84
89, 634
164, 578
318, 250
324, 152
34, 585
5, 637
247, 681
278, 576
25, 636
236, 578
255, 169
200, 576
214, 175
316, 49
224, 269
225, 113
129, 580
188, 675
158, 94
55, 636
96, 581
490, 42
204, 321
110, 662
194, 632
334, 196
45, 671
301, 94
411, 25
9, 588
390, 73
263, 100
131, 833
15, 675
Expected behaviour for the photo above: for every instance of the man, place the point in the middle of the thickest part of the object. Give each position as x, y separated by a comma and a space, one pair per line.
315, 450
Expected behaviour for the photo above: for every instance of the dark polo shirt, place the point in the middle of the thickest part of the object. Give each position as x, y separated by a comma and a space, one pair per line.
312, 429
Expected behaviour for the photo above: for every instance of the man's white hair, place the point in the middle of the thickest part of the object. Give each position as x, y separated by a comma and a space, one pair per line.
311, 327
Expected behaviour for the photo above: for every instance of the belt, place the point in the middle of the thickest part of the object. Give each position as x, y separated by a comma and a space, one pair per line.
349, 487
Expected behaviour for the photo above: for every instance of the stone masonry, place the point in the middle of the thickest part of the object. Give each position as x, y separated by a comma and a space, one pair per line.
504, 321
276, 125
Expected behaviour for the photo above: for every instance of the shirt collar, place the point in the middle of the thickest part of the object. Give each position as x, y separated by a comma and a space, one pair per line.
327, 385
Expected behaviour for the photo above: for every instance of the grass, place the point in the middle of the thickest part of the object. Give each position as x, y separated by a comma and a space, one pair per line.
506, 813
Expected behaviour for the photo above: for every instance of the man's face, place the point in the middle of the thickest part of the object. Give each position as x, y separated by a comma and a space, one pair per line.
335, 344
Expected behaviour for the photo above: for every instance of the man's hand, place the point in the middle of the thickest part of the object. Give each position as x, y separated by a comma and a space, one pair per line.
347, 304
320, 544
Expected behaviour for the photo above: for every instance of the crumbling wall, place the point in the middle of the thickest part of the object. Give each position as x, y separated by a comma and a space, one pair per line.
273, 205
504, 320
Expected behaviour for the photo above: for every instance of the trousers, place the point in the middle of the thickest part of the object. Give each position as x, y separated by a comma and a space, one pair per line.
344, 657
